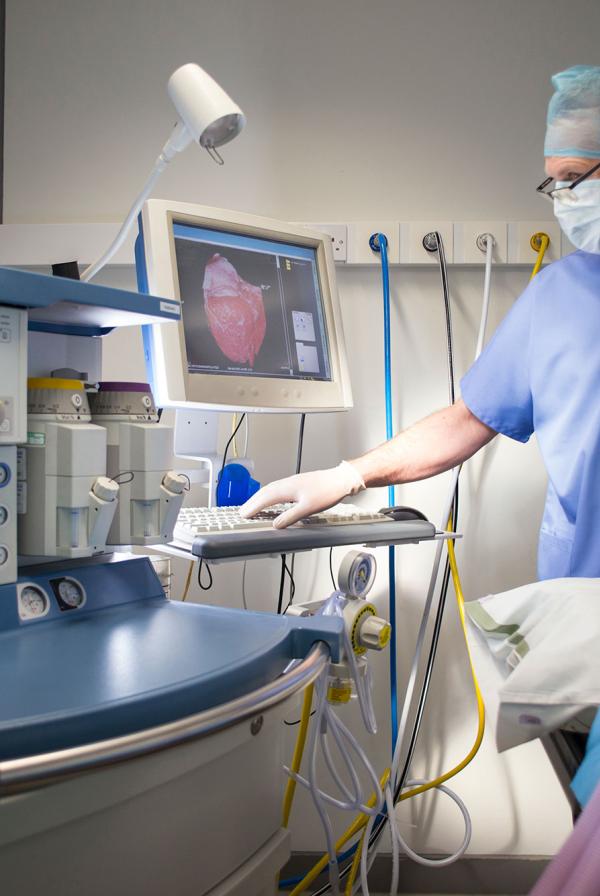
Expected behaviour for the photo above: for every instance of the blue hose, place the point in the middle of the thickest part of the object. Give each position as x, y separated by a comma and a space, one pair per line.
379, 243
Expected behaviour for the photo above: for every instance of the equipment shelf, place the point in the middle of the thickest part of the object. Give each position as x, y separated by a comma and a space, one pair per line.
77, 308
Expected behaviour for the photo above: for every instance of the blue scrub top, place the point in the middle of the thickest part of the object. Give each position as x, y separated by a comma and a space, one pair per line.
541, 373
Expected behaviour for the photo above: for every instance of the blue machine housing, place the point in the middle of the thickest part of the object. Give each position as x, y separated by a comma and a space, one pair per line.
128, 658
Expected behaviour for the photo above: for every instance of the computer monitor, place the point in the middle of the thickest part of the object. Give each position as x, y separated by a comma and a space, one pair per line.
261, 328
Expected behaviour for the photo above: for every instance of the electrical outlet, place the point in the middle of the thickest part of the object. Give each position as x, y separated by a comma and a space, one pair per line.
412, 250
338, 234
520, 250
359, 234
466, 248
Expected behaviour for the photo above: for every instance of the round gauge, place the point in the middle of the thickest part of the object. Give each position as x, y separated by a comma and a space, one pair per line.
357, 573
4, 474
147, 401
70, 592
3, 555
3, 514
32, 602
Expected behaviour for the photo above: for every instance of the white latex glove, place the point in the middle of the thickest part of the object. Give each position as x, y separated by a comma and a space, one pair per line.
310, 492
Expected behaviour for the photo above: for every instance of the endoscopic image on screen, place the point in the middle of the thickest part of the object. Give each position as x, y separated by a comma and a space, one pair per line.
232, 310
248, 310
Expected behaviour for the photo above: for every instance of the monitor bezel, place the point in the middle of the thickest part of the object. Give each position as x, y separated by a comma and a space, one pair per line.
174, 385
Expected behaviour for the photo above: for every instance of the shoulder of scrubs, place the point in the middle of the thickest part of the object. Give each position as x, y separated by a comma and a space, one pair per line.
497, 388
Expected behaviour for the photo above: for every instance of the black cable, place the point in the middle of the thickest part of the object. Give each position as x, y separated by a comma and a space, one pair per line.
297, 722
120, 481
300, 442
290, 573
231, 438
426, 681
298, 467
333, 581
446, 293
201, 566
281, 585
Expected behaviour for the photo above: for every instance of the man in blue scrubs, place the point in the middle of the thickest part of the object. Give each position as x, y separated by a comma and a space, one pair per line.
539, 373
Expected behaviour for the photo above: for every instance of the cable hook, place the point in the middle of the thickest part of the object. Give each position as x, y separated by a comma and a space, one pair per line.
215, 156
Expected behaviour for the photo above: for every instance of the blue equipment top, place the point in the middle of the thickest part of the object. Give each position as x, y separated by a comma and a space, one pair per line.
77, 308
540, 373
128, 658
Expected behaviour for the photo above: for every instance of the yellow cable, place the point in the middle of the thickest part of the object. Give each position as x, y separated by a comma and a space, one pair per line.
359, 822
188, 580
539, 242
290, 788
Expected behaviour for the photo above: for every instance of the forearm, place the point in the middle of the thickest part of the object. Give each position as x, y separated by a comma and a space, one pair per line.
431, 446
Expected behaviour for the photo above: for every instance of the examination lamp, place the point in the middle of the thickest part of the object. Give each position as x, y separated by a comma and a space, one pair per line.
206, 115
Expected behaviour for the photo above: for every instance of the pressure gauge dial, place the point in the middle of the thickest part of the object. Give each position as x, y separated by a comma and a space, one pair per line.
3, 514
357, 573
69, 592
33, 602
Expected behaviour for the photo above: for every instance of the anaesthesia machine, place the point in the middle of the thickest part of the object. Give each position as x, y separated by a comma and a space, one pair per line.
122, 707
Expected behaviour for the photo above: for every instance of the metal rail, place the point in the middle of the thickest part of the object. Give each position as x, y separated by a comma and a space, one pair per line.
31, 772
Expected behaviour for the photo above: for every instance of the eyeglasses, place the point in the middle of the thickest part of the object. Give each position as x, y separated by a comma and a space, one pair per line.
564, 193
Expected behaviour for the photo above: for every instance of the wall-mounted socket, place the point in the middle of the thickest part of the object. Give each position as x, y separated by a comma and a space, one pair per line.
520, 250
339, 238
466, 247
359, 233
412, 250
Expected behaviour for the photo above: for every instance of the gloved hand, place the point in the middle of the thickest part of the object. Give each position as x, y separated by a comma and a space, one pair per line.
311, 492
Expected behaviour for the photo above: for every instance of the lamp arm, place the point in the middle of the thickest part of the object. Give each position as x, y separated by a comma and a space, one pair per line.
179, 139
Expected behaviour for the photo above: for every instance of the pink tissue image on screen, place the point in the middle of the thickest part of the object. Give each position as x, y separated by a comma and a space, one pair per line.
235, 310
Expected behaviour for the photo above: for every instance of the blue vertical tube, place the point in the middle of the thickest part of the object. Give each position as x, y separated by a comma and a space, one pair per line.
379, 244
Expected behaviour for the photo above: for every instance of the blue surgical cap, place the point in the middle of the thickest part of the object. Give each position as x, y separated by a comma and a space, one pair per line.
573, 123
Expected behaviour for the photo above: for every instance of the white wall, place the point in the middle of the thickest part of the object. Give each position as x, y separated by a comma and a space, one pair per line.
393, 109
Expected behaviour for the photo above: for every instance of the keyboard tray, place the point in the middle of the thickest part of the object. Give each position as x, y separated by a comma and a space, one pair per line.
260, 542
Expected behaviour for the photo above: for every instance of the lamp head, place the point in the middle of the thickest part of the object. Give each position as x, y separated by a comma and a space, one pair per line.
209, 115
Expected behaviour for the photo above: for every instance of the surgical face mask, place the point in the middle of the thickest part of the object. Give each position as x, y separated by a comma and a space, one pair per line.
579, 215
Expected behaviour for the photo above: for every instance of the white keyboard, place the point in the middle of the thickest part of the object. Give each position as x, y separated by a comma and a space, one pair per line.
194, 521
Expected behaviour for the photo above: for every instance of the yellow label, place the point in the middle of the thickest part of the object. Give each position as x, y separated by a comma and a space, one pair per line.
339, 695
49, 382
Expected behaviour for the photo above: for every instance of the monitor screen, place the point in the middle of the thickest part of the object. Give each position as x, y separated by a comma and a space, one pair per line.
250, 306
